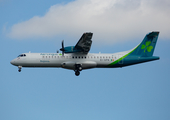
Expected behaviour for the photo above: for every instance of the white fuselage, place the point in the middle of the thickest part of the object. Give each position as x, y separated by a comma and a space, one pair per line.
67, 61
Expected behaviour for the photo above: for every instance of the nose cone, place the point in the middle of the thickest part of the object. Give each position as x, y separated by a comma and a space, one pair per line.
13, 62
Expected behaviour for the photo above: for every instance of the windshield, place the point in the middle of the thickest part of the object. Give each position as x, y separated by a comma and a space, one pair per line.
22, 55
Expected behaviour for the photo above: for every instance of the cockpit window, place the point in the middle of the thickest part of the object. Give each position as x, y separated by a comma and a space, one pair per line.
22, 55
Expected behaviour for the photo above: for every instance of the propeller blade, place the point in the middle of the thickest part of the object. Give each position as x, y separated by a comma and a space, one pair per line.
62, 49
62, 44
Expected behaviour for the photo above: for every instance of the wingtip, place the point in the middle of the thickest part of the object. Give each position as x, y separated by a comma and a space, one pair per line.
155, 32
88, 33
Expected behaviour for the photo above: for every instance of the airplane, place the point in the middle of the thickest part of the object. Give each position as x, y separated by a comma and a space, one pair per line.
78, 58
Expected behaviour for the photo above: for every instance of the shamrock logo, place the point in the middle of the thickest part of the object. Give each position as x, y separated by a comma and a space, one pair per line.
147, 47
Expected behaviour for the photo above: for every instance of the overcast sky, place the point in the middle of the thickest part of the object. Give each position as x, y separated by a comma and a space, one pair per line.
138, 92
108, 19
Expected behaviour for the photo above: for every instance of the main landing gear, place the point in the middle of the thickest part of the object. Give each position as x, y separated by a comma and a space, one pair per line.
77, 70
19, 68
77, 73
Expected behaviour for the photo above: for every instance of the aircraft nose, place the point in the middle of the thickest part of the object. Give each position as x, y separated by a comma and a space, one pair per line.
12, 62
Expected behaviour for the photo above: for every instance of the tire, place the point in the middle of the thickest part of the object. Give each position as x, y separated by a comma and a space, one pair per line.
77, 73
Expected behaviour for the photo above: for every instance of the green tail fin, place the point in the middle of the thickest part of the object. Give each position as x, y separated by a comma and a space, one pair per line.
147, 46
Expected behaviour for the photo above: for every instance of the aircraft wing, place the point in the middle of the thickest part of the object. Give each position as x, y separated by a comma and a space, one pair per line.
84, 44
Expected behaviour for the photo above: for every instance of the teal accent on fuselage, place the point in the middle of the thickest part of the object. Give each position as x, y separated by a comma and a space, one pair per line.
142, 53
132, 60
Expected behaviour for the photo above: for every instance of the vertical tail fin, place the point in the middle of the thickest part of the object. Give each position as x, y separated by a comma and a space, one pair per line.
147, 46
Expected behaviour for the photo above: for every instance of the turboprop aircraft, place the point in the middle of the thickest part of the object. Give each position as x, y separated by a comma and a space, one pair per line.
78, 58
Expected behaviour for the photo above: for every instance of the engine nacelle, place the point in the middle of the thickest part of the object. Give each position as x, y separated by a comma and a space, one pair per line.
71, 49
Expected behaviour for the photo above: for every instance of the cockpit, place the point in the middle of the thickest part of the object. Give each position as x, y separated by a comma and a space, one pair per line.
22, 55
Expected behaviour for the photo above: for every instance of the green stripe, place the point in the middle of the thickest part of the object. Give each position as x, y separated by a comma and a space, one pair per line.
113, 63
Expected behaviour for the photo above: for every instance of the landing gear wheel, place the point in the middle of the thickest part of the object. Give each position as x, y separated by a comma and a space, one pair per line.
78, 68
19, 68
77, 73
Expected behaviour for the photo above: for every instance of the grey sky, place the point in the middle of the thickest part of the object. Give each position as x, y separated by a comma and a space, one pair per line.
108, 19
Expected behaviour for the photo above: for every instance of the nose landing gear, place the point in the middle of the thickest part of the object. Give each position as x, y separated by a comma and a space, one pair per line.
19, 68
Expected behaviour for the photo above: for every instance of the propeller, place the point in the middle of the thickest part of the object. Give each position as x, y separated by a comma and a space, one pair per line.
62, 49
